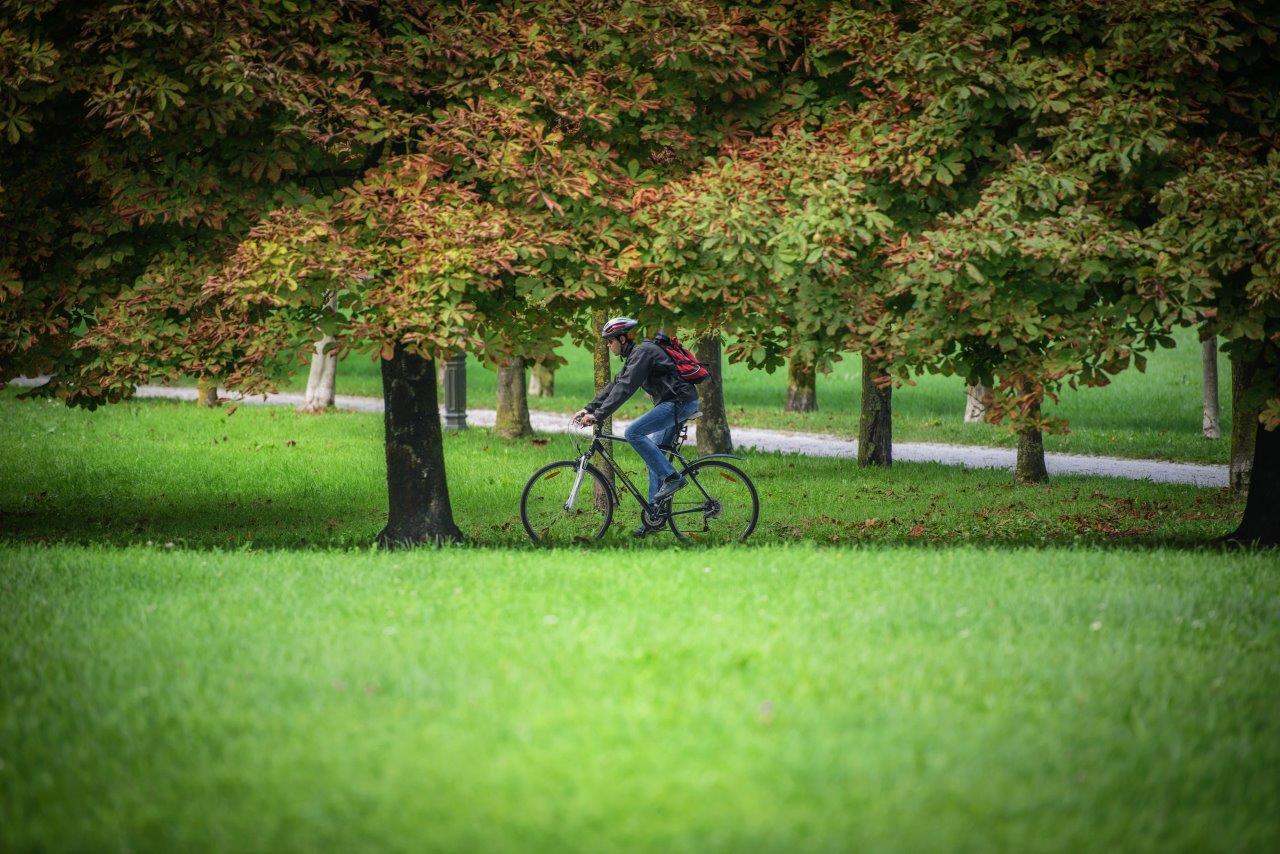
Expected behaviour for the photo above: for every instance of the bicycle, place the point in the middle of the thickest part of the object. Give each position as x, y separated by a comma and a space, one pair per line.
718, 505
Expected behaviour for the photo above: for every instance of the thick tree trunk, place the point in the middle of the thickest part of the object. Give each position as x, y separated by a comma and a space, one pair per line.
875, 424
418, 508
1029, 467
1212, 423
206, 393
1244, 422
975, 406
802, 387
602, 372
1260, 525
512, 420
320, 381
542, 380
713, 427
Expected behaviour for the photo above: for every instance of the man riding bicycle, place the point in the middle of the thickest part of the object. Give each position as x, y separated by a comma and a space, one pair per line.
647, 366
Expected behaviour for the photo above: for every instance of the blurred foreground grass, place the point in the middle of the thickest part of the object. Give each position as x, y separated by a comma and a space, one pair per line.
776, 698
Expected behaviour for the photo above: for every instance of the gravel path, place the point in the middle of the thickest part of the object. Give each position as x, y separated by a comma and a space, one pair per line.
811, 444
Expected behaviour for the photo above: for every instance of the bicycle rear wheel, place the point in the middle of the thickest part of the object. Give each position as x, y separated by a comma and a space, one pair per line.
720, 504
557, 507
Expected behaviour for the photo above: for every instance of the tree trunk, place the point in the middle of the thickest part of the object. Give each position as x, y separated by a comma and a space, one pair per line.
542, 380
206, 393
1260, 525
802, 388
320, 381
1244, 419
512, 421
418, 508
324, 368
713, 427
975, 406
1212, 424
875, 424
602, 370
1030, 467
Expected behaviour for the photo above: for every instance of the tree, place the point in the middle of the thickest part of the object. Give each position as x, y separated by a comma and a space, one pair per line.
1223, 217
321, 379
1031, 269
1245, 413
975, 407
802, 386
713, 428
1025, 197
542, 379
302, 146
145, 137
774, 241
1211, 427
875, 421
1218, 229
512, 419
1027, 300
418, 493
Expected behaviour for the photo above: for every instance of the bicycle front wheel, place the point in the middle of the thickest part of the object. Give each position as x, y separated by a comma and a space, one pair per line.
558, 506
719, 505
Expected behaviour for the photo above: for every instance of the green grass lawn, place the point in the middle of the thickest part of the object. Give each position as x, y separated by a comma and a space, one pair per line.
1155, 414
269, 477
199, 651
777, 698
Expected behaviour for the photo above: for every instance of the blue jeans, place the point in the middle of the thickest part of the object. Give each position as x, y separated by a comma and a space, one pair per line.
657, 427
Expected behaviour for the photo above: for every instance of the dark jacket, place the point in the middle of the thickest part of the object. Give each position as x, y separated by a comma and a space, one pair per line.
647, 366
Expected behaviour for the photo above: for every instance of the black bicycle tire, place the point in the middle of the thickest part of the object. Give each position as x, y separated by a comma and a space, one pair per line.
751, 487
572, 465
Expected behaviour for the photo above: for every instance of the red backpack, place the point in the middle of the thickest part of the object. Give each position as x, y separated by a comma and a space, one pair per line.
688, 368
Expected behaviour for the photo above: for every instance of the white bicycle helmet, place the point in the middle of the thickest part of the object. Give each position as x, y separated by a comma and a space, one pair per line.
617, 326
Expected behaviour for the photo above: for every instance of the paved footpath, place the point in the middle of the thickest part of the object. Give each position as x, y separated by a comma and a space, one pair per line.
824, 446
811, 444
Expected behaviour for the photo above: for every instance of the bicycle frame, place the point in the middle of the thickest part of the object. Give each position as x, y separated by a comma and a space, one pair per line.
599, 445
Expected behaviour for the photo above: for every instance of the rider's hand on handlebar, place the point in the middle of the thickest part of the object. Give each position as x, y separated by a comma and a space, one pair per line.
584, 417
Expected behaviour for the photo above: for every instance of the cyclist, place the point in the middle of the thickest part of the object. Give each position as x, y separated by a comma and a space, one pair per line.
647, 366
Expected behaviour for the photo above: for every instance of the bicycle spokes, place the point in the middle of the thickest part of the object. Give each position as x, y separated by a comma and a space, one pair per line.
719, 505
559, 506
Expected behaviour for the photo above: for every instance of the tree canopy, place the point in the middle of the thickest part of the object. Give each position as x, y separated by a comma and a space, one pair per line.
1025, 194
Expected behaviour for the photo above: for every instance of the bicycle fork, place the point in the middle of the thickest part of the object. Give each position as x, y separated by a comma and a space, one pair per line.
577, 484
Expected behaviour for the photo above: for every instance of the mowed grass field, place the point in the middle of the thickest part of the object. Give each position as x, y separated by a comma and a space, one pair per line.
199, 651
776, 698
1152, 414
267, 477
